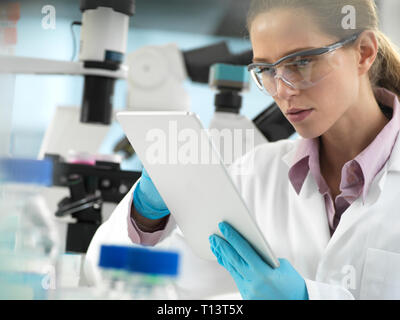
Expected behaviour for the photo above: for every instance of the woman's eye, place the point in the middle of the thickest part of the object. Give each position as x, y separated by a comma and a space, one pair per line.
267, 70
303, 62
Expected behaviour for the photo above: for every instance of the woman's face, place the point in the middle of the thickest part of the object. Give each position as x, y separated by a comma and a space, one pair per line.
282, 31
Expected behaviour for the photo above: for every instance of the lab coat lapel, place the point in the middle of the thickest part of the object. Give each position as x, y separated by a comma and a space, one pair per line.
394, 160
311, 206
315, 216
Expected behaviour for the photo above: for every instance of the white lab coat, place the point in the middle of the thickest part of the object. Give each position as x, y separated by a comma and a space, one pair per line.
361, 260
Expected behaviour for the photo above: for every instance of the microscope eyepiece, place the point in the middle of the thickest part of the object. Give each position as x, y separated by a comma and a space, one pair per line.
104, 35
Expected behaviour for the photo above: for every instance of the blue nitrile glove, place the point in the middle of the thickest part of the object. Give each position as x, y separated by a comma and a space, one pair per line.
147, 200
255, 279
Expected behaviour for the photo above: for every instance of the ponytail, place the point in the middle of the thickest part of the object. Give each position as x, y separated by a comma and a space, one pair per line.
385, 72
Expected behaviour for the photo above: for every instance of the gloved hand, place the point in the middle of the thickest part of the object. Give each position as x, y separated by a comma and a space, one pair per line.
147, 200
255, 279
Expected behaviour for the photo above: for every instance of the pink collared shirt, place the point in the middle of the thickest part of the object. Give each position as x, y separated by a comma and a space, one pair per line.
357, 174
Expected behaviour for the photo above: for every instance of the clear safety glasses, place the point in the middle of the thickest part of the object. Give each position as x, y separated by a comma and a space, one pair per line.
300, 70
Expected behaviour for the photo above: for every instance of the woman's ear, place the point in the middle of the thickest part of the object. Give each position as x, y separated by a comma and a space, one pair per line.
367, 48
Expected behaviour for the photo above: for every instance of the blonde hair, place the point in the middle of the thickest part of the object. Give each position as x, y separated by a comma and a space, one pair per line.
385, 71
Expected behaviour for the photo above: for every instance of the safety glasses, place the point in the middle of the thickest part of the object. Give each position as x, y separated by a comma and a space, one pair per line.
300, 70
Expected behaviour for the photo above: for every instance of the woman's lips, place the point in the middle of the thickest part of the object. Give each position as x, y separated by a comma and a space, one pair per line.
297, 115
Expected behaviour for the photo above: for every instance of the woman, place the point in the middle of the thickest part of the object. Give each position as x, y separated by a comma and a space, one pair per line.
327, 203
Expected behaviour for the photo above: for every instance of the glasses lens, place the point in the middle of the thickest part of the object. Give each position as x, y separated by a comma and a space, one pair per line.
265, 79
300, 73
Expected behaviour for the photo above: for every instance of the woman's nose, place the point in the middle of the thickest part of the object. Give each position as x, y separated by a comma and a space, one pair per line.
284, 89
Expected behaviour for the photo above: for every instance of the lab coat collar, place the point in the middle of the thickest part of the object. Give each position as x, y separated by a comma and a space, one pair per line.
393, 163
289, 157
391, 99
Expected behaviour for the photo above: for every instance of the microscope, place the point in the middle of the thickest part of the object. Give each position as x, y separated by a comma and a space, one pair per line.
104, 34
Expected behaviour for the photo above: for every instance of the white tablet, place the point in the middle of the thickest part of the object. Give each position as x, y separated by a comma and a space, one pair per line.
186, 169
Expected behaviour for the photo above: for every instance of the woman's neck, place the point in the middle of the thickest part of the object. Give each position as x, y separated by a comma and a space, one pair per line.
351, 134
